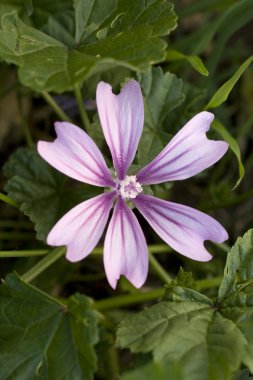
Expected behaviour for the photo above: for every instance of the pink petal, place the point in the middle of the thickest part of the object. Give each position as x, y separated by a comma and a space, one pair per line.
121, 118
183, 228
75, 154
187, 154
125, 248
81, 228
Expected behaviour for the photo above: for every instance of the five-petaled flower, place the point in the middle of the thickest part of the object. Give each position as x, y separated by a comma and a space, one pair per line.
75, 154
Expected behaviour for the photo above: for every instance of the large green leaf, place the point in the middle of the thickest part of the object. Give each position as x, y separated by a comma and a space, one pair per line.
42, 339
162, 93
208, 340
40, 191
108, 34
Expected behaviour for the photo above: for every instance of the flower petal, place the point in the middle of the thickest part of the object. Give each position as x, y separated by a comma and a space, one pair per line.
81, 228
121, 118
183, 228
75, 154
125, 248
187, 154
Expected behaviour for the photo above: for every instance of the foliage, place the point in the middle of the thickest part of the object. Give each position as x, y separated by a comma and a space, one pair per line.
204, 339
190, 321
51, 340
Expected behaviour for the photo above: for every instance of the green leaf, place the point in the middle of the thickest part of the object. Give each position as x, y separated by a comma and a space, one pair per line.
61, 27
42, 339
40, 191
195, 61
223, 92
239, 266
89, 15
162, 93
223, 132
109, 34
208, 340
184, 279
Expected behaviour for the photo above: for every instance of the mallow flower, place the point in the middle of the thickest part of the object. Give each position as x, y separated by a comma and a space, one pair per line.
75, 154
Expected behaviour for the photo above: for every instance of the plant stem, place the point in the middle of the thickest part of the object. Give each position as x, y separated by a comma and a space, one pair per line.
154, 248
41, 252
129, 299
159, 269
43, 264
8, 200
57, 109
112, 369
83, 113
31, 253
132, 299
208, 283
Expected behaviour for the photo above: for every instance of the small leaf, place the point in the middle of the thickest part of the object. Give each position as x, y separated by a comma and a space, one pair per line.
223, 132
40, 190
195, 61
183, 279
239, 266
42, 339
223, 92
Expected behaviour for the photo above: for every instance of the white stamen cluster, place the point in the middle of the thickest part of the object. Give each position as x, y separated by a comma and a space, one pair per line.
129, 187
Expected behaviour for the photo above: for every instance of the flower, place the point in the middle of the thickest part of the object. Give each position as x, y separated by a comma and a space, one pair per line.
75, 154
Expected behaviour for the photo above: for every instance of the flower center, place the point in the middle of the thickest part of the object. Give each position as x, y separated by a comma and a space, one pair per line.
129, 188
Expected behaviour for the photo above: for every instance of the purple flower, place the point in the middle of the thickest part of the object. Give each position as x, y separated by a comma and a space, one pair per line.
75, 154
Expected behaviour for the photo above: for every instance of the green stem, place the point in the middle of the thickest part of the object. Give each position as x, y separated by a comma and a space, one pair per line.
112, 368
31, 253
132, 299
43, 264
208, 283
62, 115
40, 252
8, 200
154, 248
129, 299
159, 269
82, 110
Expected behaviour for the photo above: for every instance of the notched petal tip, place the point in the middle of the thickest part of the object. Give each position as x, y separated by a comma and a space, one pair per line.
121, 118
183, 228
42, 148
76, 155
187, 154
125, 248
